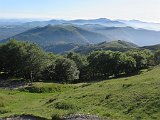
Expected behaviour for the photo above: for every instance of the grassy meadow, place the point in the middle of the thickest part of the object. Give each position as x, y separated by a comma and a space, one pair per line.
130, 98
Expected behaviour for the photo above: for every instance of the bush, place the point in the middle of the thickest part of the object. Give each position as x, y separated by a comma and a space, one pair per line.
3, 111
57, 117
65, 106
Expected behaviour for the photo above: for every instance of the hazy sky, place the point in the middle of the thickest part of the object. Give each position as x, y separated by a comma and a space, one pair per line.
146, 10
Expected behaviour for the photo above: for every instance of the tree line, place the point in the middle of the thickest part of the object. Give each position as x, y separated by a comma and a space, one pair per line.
28, 61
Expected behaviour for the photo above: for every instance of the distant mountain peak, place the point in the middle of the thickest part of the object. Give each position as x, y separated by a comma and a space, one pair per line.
102, 19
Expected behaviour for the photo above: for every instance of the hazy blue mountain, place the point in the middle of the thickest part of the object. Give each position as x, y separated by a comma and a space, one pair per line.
81, 32
11, 30
85, 34
140, 37
59, 34
93, 21
11, 22
140, 24
44, 23
11, 27
101, 21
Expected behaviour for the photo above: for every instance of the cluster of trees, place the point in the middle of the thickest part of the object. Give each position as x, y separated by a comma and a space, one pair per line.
104, 64
21, 59
26, 60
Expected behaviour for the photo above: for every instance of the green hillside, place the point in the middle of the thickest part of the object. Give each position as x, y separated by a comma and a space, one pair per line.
129, 98
84, 49
113, 45
152, 47
61, 48
59, 34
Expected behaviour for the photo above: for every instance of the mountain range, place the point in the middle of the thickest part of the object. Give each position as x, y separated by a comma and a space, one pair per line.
63, 35
86, 34
59, 34
102, 21
141, 24
139, 36
118, 45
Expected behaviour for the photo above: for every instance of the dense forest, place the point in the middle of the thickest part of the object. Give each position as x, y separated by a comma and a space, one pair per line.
28, 61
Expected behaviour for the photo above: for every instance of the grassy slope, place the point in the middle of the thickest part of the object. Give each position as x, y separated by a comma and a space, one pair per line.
136, 97
112, 45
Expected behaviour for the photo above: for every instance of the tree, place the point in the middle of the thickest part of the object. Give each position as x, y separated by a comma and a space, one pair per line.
157, 57
104, 64
149, 56
48, 73
140, 58
101, 64
35, 61
117, 63
9, 53
128, 64
28, 61
66, 70
81, 63
80, 60
22, 59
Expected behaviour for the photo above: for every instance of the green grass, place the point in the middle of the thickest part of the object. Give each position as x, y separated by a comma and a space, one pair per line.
130, 98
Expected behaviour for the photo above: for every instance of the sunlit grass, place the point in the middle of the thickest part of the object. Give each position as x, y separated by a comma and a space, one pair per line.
136, 97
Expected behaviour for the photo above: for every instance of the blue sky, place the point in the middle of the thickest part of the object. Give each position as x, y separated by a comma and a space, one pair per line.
146, 10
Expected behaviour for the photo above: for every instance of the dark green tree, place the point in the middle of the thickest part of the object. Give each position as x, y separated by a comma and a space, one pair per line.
48, 73
81, 63
66, 70
101, 64
35, 61
157, 57
22, 59
140, 58
128, 64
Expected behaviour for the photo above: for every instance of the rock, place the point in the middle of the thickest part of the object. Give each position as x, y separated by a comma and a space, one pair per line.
82, 117
71, 117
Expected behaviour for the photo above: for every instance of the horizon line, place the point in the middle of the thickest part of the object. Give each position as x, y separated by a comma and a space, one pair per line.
50, 18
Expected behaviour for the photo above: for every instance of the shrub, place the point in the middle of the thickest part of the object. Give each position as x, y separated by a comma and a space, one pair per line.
3, 111
65, 106
57, 117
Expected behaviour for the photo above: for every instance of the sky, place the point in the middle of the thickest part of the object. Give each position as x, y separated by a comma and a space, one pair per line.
145, 10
